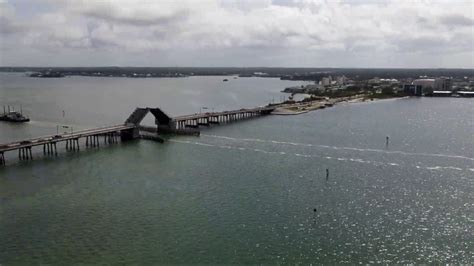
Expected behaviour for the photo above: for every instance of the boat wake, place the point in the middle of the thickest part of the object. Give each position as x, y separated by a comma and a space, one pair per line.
342, 159
342, 148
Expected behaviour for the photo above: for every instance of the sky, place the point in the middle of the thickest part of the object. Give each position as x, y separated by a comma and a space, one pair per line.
245, 33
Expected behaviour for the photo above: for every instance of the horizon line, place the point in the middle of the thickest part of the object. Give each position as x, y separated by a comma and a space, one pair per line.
269, 67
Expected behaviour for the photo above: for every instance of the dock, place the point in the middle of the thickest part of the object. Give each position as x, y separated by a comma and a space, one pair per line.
131, 129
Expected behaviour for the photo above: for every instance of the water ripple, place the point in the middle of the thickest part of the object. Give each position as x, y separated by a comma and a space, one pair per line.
342, 148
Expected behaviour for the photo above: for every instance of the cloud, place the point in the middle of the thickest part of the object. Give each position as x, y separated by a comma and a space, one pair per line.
138, 13
454, 20
8, 26
8, 23
251, 32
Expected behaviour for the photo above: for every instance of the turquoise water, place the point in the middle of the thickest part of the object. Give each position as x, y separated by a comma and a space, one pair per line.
243, 192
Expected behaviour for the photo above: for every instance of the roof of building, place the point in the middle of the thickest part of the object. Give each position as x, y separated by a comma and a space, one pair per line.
424, 80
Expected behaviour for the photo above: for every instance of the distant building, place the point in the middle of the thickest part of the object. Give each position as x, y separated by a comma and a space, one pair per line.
443, 84
312, 88
424, 83
326, 81
389, 81
413, 89
442, 93
341, 80
438, 84
260, 74
375, 80
466, 93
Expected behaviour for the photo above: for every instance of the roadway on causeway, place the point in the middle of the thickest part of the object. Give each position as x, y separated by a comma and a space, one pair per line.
61, 137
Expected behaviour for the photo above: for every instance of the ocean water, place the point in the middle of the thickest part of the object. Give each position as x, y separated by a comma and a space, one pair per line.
253, 191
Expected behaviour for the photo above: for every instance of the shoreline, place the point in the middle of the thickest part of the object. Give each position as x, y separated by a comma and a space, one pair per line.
301, 107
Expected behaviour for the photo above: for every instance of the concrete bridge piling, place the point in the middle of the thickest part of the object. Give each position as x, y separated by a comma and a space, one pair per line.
25, 154
50, 148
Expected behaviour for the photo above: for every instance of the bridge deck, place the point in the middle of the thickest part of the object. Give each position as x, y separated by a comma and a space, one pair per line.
164, 124
223, 113
25, 143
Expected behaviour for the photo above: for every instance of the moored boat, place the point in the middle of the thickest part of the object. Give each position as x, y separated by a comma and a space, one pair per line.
14, 116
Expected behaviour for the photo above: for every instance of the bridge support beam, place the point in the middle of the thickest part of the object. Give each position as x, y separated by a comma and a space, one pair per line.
110, 138
213, 120
203, 121
25, 153
50, 148
72, 144
53, 148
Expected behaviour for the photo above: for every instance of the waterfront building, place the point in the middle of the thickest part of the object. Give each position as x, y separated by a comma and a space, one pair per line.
424, 83
442, 93
442, 84
439, 84
413, 89
466, 93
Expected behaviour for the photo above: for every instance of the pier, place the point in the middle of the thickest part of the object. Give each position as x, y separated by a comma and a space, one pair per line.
131, 129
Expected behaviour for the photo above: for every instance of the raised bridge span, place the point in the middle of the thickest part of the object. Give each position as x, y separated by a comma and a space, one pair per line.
131, 129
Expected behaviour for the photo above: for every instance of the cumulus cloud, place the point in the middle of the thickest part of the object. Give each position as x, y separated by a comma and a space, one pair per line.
239, 33
138, 13
457, 20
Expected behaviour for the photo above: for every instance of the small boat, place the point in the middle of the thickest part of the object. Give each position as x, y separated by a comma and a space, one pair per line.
225, 80
14, 116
